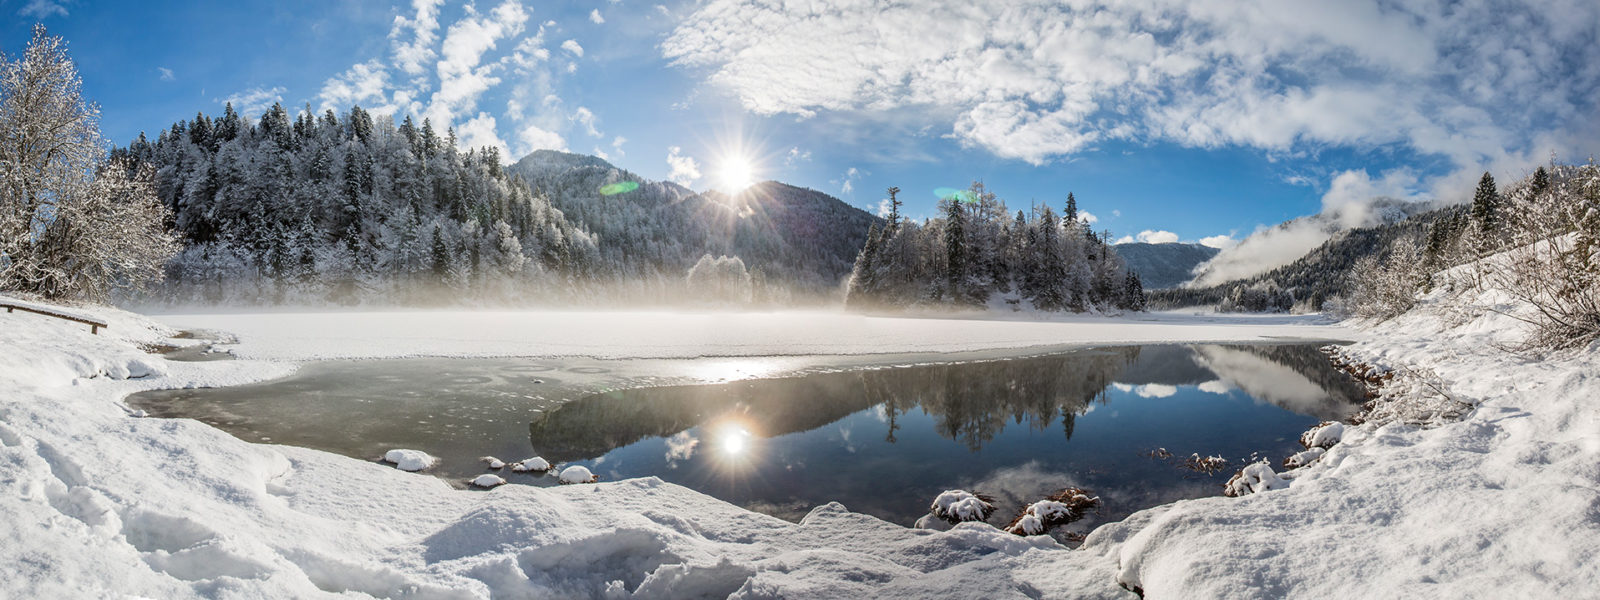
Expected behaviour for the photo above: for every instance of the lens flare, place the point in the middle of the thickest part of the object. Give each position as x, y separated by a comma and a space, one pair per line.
946, 193
621, 187
736, 174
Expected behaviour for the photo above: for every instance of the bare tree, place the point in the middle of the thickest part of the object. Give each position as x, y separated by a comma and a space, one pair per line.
73, 224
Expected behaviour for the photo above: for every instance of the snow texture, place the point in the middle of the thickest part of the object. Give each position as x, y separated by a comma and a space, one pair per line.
1324, 435
577, 474
487, 480
1253, 478
493, 463
409, 460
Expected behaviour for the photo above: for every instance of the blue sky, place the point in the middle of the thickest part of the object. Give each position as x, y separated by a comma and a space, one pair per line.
1193, 119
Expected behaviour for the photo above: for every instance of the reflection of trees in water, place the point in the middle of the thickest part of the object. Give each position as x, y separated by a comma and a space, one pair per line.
970, 402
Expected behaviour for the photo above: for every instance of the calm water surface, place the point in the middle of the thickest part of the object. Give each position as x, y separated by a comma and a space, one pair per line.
882, 441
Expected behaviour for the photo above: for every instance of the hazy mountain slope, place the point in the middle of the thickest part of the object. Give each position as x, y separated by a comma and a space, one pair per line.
1280, 245
1162, 266
802, 238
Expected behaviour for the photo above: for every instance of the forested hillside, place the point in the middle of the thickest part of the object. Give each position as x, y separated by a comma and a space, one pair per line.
352, 208
977, 254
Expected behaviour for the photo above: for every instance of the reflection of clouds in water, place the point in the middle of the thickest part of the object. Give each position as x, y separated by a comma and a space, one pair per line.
880, 413
844, 434
1156, 390
1015, 487
1218, 387
1122, 387
680, 447
1266, 380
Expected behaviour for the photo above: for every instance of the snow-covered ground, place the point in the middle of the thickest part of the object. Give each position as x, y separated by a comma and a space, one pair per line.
95, 502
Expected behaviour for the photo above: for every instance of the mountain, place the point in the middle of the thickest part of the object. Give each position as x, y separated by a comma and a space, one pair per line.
1162, 266
1326, 270
787, 236
1280, 245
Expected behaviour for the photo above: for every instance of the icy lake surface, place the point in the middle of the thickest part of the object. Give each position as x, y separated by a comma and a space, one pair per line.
882, 441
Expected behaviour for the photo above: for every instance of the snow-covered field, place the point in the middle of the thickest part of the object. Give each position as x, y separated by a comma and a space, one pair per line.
639, 334
95, 502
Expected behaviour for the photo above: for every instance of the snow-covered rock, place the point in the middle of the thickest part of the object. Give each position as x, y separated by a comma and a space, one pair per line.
960, 505
409, 460
1303, 458
492, 462
487, 480
1324, 435
1255, 477
577, 474
535, 464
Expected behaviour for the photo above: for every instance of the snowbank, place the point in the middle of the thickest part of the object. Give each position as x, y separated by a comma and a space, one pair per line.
97, 503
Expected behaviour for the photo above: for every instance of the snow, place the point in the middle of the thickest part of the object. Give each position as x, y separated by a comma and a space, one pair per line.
658, 334
487, 480
493, 463
1253, 478
409, 460
577, 474
1303, 458
95, 502
960, 505
531, 464
1324, 435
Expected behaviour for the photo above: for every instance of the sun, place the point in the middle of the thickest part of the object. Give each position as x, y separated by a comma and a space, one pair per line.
736, 173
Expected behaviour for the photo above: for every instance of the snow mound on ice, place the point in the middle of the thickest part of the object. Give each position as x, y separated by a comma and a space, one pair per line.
494, 463
487, 480
577, 474
409, 460
1257, 477
531, 464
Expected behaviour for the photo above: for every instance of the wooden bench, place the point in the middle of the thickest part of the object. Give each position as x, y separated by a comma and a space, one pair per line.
94, 324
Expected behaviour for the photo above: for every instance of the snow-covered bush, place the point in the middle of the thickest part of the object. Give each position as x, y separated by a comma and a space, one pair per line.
1325, 435
1303, 458
1386, 288
956, 506
720, 279
1256, 477
1060, 508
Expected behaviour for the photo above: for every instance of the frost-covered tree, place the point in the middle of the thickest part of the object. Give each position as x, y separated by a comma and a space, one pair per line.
74, 223
722, 279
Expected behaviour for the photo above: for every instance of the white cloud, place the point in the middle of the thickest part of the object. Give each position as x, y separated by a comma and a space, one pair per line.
616, 146
847, 183
364, 83
1352, 200
1040, 79
1088, 217
461, 78
480, 131
535, 138
572, 47
1116, 213
1216, 386
1218, 241
594, 17
884, 207
166, 74
252, 102
41, 9
1156, 390
583, 116
1151, 237
684, 169
796, 155
412, 57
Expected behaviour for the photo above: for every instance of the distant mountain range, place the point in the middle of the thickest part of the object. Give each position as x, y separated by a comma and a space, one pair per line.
1162, 266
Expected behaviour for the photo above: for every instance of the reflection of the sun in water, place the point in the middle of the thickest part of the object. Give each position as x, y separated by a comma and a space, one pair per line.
734, 442
731, 370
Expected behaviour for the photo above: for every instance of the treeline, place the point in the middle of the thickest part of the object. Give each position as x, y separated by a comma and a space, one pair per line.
977, 254
350, 207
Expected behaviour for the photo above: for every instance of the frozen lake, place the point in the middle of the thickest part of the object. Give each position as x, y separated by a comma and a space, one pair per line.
880, 438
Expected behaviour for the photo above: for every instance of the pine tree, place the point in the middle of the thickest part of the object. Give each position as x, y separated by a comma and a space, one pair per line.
1539, 184
1070, 215
894, 208
1486, 206
955, 243
1132, 292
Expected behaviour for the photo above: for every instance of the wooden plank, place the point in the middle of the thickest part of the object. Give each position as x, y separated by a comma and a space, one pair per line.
94, 324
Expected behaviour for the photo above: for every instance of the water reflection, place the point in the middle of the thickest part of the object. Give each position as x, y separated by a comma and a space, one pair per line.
882, 441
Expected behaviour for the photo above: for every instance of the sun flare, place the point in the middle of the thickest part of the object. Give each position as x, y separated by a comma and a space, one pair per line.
736, 173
